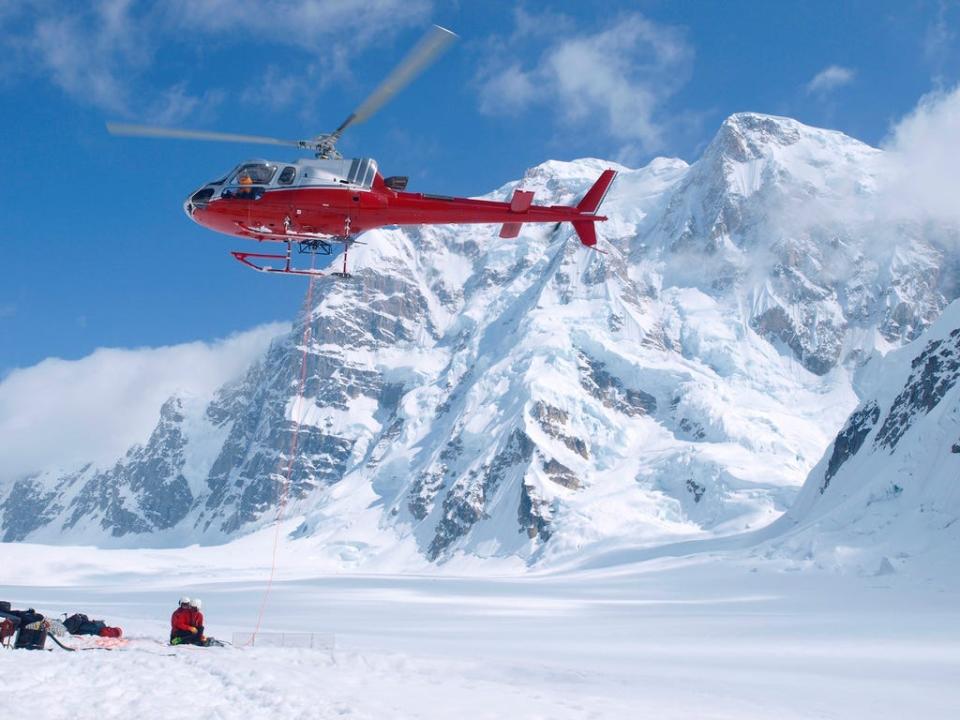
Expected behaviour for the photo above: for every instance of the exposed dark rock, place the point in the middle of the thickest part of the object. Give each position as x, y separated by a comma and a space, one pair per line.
551, 421
466, 501
935, 371
27, 507
561, 474
692, 428
533, 514
850, 440
696, 489
424, 490
610, 390
817, 347
144, 492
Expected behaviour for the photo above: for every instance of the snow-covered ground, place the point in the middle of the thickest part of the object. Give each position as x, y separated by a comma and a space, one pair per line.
710, 635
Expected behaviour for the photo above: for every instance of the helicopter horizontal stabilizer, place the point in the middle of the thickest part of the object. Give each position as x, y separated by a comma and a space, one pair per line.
521, 201
510, 230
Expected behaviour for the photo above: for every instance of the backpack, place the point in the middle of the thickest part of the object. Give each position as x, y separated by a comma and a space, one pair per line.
33, 630
80, 624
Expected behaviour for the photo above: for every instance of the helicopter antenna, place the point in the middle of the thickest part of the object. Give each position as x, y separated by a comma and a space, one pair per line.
424, 53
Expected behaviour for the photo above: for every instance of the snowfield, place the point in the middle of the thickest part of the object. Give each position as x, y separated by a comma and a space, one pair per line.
734, 634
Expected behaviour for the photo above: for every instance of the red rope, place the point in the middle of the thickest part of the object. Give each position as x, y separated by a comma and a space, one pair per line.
284, 489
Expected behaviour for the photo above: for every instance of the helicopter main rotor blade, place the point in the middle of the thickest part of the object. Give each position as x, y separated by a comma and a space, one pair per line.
162, 132
423, 54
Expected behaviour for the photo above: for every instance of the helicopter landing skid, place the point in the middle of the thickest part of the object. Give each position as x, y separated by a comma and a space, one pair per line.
286, 268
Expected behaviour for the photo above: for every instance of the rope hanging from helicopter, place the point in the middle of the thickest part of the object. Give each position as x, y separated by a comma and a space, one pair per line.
283, 488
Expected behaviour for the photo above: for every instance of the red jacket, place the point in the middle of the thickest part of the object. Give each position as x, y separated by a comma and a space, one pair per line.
185, 618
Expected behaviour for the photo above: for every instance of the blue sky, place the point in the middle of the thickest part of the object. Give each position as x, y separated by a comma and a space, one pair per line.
102, 255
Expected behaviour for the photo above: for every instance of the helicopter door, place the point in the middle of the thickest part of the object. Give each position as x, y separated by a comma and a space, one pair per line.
287, 180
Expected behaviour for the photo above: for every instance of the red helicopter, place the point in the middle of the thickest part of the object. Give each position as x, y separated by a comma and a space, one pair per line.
318, 202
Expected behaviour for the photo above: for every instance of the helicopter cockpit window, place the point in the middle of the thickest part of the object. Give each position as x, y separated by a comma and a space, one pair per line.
254, 174
287, 175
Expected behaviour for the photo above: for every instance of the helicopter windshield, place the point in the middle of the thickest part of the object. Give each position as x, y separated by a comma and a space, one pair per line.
254, 174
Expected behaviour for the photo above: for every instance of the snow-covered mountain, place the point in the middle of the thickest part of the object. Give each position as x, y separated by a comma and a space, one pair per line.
533, 397
887, 487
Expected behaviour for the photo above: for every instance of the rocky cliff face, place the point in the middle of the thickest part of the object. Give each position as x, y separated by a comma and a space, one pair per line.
529, 397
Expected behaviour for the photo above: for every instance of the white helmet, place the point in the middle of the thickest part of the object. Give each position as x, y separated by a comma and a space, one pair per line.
184, 600
196, 604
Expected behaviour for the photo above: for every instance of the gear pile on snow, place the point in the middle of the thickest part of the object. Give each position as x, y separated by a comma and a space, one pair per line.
26, 628
29, 630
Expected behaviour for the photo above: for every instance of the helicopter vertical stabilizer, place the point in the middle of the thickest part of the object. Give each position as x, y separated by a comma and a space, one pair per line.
586, 229
595, 195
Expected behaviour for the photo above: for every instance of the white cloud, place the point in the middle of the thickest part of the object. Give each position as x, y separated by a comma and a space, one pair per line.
613, 81
924, 155
60, 413
509, 90
98, 53
829, 79
81, 64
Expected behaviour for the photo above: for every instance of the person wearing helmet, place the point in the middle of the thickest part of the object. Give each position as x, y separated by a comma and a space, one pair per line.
186, 623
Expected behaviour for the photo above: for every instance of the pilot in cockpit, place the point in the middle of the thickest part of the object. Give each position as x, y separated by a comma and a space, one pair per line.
246, 185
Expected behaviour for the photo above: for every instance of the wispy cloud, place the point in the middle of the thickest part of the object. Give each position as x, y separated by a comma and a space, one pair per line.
98, 54
7, 310
830, 79
939, 39
65, 412
313, 24
103, 53
613, 81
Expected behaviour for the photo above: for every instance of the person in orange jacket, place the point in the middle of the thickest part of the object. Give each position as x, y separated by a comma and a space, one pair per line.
186, 623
